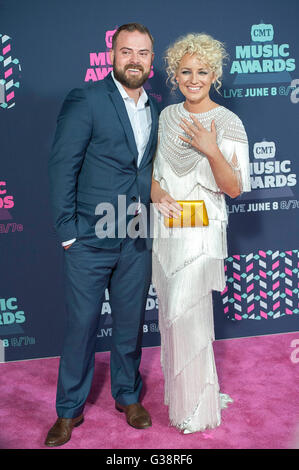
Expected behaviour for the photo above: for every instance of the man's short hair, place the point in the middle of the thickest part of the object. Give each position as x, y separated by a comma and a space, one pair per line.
131, 27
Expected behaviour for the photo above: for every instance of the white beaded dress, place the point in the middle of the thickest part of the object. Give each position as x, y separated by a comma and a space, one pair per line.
188, 264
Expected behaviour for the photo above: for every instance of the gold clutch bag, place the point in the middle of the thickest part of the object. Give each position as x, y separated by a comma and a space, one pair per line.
194, 214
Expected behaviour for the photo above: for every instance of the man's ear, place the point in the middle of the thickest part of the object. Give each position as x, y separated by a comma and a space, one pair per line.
111, 54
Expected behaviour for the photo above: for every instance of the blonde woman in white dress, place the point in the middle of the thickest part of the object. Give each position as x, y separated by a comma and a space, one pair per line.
202, 155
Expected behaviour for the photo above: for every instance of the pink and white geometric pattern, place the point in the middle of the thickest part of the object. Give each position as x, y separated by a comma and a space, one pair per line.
9, 73
262, 285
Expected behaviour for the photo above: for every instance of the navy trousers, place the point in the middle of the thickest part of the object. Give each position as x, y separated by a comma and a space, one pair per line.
126, 272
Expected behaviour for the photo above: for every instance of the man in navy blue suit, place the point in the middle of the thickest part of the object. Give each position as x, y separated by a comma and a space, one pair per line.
103, 149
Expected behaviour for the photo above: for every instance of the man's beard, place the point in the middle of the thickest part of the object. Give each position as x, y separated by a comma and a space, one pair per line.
130, 82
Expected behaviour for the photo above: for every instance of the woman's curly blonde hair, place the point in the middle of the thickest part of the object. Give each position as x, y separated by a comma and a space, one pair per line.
210, 51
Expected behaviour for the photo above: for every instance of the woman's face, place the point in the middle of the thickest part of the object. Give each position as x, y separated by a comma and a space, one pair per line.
194, 78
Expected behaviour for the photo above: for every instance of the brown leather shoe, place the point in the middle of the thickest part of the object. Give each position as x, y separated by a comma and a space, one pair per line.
61, 432
136, 415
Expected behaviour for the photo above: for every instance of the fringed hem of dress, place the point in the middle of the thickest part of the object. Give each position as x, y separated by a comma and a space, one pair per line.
188, 264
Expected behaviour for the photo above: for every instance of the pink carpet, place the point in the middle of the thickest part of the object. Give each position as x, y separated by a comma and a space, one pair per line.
260, 374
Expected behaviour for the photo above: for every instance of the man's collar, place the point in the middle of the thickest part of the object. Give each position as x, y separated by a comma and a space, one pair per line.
143, 98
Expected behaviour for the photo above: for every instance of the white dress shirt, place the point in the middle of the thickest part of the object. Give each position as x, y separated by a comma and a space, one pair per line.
141, 121
140, 117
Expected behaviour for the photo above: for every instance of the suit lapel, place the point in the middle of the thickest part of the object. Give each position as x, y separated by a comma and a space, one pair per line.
120, 107
152, 133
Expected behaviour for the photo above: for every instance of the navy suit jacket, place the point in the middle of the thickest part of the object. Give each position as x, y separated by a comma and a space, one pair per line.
94, 159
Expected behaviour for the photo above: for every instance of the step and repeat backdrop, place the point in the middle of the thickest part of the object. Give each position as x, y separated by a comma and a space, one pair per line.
48, 47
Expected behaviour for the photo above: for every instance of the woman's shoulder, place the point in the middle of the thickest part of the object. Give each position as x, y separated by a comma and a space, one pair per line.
233, 125
170, 109
230, 116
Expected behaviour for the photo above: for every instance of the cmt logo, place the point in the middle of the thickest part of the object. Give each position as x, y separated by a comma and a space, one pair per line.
263, 60
10, 69
9, 312
108, 38
272, 173
264, 150
262, 32
269, 176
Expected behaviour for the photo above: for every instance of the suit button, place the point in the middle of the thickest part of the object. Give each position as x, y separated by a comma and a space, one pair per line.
134, 198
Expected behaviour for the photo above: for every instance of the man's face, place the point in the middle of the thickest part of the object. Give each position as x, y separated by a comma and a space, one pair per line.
132, 58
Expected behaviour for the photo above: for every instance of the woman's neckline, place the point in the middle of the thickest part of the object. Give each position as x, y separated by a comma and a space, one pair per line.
199, 114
